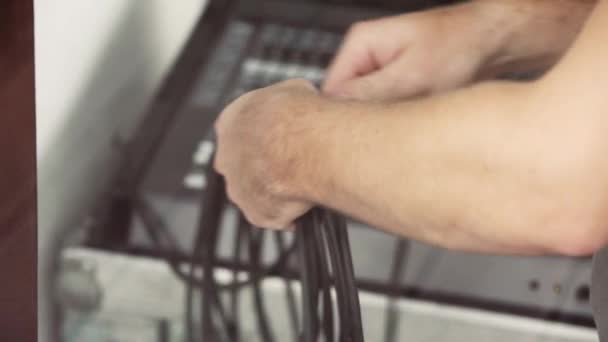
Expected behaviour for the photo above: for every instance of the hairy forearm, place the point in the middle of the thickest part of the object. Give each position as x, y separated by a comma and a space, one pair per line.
479, 169
472, 170
528, 35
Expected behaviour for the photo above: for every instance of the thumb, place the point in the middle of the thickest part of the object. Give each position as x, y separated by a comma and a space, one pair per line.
394, 81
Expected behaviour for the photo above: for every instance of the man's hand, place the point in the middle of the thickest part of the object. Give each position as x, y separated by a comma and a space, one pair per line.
260, 138
501, 167
408, 55
449, 47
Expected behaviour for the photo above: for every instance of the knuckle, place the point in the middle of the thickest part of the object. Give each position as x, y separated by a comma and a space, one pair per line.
216, 165
299, 82
218, 125
232, 193
363, 27
254, 216
274, 224
333, 86
263, 219
247, 100
270, 213
248, 95
357, 28
275, 99
261, 97
276, 187
256, 220
248, 217
218, 162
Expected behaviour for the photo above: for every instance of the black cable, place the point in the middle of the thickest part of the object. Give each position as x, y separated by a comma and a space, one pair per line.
323, 232
189, 296
316, 254
307, 302
255, 254
154, 225
212, 204
356, 332
398, 269
235, 290
163, 331
289, 291
325, 281
319, 232
312, 264
338, 276
207, 326
346, 290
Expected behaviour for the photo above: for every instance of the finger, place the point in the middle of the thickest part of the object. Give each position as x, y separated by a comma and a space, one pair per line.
256, 211
291, 213
276, 216
217, 163
256, 219
220, 160
232, 193
250, 210
286, 222
395, 81
354, 58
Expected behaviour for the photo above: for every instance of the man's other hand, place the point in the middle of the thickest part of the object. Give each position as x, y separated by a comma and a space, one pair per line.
449, 47
409, 55
260, 138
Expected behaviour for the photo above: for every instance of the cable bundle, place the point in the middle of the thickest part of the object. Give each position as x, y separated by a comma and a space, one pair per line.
319, 232
320, 247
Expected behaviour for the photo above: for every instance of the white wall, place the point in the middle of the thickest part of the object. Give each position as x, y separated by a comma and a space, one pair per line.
97, 65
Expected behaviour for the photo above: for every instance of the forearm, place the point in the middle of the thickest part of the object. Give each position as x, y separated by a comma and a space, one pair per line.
474, 169
530, 35
471, 170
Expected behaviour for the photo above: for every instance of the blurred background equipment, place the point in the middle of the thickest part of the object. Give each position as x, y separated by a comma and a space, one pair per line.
118, 273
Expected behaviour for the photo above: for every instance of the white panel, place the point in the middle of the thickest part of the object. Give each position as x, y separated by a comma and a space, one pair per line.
97, 65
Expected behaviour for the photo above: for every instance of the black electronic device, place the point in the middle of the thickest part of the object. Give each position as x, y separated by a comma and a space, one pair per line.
238, 46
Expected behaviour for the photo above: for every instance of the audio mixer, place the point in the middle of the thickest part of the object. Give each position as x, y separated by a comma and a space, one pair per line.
263, 42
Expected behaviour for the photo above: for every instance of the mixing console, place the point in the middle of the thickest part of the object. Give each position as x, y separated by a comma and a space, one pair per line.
253, 54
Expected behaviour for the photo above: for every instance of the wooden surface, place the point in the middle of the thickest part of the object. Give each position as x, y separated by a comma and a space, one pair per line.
17, 173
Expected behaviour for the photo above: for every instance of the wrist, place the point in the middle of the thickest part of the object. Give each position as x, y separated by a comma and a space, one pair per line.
528, 35
317, 145
333, 147
310, 173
